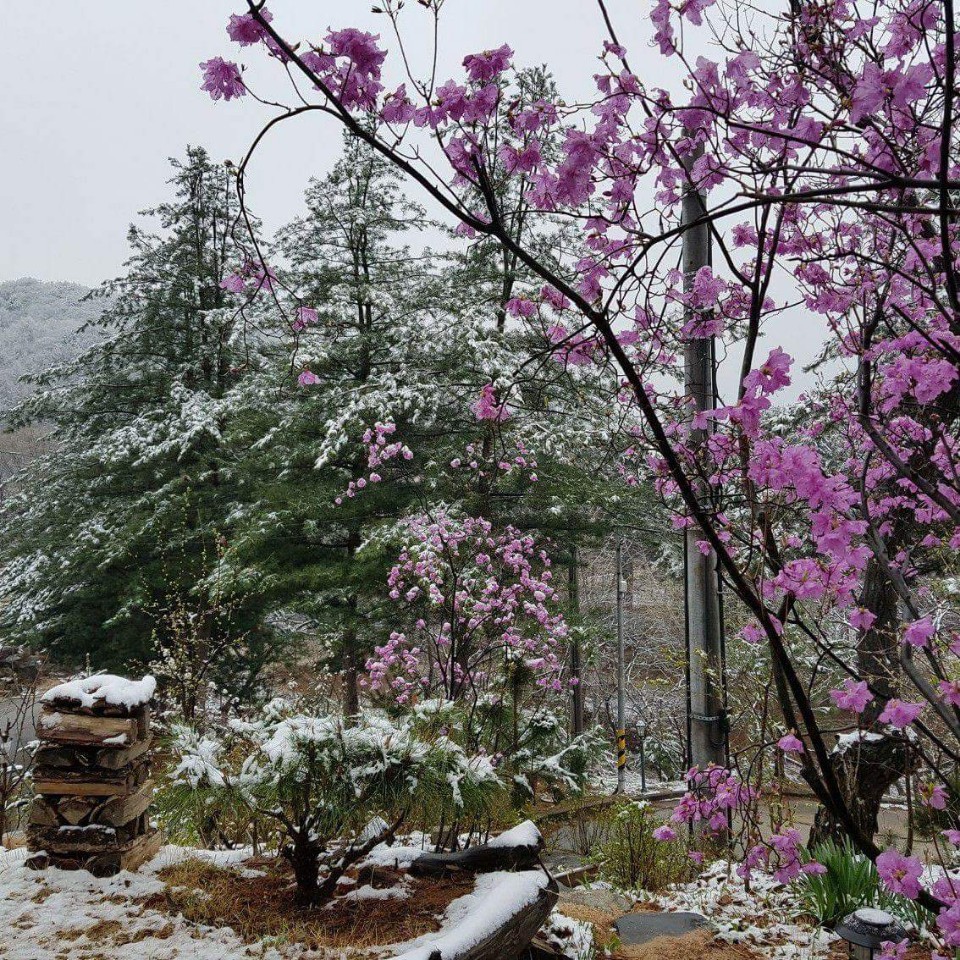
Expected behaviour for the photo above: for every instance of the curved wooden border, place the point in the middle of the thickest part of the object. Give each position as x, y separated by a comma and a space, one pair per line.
513, 936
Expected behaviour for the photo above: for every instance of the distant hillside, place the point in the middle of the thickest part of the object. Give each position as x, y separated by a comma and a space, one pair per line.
38, 325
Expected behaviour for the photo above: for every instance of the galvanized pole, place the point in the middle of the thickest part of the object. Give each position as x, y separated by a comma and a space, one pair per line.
621, 694
576, 665
705, 699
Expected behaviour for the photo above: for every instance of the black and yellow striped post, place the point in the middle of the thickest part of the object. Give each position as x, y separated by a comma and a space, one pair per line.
621, 750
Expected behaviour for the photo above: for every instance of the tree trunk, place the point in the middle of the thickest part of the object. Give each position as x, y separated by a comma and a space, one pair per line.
866, 769
303, 857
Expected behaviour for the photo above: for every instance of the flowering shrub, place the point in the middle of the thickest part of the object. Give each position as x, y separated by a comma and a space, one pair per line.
480, 601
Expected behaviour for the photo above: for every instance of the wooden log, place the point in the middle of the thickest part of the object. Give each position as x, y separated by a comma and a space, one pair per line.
74, 810
114, 811
513, 936
43, 813
481, 859
136, 853
142, 849
92, 838
121, 810
86, 783
73, 728
106, 758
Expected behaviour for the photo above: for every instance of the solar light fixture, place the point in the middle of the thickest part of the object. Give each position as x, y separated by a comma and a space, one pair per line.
866, 929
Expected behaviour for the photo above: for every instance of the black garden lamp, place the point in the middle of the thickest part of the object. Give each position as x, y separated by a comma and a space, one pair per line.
866, 929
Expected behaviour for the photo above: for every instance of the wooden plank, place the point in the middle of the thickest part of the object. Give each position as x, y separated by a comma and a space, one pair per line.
90, 783
121, 810
76, 757
73, 728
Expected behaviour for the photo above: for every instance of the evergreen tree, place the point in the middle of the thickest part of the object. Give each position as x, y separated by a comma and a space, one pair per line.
112, 545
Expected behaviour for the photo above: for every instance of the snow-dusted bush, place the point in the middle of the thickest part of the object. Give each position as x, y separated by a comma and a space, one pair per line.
323, 783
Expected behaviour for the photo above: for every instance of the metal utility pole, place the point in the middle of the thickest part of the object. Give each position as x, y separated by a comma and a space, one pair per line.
621, 695
576, 659
706, 713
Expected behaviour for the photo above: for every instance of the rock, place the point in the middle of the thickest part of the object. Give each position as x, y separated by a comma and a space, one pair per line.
597, 898
636, 928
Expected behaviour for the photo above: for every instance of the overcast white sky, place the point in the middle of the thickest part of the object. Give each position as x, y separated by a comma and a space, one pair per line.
98, 95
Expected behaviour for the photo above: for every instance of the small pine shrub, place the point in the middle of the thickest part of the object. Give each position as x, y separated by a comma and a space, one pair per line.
630, 857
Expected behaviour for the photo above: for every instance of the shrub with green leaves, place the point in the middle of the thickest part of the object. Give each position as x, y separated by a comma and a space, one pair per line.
849, 883
632, 858
323, 782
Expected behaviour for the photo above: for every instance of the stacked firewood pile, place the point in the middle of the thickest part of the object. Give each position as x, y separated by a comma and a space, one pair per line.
92, 777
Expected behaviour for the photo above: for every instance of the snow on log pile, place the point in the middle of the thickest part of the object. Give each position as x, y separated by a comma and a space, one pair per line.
92, 777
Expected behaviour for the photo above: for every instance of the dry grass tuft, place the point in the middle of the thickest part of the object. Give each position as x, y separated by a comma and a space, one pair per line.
262, 906
692, 946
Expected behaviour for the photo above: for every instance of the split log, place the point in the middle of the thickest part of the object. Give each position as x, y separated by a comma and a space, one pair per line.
136, 853
140, 851
121, 783
73, 728
121, 810
114, 811
481, 859
92, 838
106, 758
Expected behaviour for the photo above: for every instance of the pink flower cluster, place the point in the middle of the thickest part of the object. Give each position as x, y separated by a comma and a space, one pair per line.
480, 599
379, 450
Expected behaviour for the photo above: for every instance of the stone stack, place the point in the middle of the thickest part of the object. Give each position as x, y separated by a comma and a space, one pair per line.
92, 777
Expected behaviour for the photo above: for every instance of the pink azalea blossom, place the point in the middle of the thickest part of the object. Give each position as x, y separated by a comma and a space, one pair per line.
233, 282
245, 30
665, 833
900, 874
899, 713
853, 696
307, 379
221, 79
790, 744
919, 632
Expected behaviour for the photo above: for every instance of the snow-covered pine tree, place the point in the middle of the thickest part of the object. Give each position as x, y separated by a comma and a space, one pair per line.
114, 535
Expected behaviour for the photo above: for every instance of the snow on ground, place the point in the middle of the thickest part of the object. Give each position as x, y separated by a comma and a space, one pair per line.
54, 914
766, 917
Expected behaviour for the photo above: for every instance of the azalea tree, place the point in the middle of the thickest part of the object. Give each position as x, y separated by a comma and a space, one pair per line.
824, 143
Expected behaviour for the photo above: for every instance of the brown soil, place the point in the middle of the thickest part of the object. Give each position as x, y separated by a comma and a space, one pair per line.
262, 906
693, 946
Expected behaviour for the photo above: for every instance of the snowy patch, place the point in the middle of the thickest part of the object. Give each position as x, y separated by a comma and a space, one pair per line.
47, 914
524, 834
768, 918
103, 690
